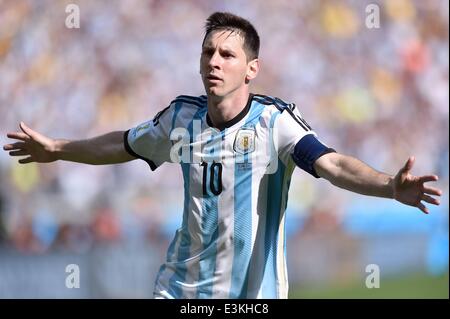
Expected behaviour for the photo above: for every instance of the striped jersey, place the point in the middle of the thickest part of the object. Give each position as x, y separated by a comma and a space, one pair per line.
231, 243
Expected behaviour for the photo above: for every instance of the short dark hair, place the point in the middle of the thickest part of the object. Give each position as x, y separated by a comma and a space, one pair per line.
228, 21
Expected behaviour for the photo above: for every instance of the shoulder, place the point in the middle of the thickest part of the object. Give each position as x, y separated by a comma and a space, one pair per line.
274, 102
184, 107
189, 101
181, 106
288, 110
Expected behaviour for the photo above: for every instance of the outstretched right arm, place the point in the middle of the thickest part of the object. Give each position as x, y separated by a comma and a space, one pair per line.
104, 149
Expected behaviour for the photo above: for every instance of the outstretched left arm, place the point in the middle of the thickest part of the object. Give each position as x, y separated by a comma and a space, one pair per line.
352, 174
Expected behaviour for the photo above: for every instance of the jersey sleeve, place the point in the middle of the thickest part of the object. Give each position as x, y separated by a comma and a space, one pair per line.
150, 141
297, 141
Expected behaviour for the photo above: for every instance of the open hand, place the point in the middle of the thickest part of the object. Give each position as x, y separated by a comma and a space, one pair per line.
37, 147
411, 190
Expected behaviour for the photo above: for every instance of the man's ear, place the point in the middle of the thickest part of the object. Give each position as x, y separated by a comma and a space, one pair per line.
252, 69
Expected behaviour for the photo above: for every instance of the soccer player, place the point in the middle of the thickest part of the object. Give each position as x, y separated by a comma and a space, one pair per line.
237, 152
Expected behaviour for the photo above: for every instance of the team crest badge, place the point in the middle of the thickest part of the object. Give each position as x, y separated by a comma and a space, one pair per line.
244, 142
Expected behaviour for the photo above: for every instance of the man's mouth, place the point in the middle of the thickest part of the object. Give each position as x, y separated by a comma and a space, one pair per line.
213, 77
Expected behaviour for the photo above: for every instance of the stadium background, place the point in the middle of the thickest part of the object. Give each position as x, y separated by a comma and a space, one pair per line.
378, 94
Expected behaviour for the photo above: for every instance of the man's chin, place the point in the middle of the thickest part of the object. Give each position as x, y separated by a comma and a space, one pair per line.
214, 92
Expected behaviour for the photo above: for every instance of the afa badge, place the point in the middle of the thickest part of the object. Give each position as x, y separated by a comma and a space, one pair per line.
244, 142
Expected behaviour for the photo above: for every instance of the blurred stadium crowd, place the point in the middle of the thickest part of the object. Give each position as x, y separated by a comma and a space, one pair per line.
378, 94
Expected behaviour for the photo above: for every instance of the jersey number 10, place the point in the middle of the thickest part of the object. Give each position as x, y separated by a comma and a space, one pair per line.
215, 178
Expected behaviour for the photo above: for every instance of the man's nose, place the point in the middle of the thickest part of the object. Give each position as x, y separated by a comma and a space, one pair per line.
214, 61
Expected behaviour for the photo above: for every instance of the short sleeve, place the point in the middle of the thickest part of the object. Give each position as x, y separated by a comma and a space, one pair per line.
289, 128
298, 142
150, 141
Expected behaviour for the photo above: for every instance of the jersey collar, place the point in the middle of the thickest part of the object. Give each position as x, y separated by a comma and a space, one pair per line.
235, 119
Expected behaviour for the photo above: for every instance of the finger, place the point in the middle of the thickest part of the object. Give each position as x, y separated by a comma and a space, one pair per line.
18, 135
19, 153
14, 146
408, 165
28, 131
428, 178
423, 208
33, 134
25, 129
26, 160
430, 199
432, 191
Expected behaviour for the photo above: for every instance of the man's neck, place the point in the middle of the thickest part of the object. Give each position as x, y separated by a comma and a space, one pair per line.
222, 110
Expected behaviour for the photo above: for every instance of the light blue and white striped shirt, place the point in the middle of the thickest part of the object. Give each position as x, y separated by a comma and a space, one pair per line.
231, 243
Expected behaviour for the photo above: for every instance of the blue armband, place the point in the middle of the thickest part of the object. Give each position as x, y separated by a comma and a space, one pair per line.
307, 151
